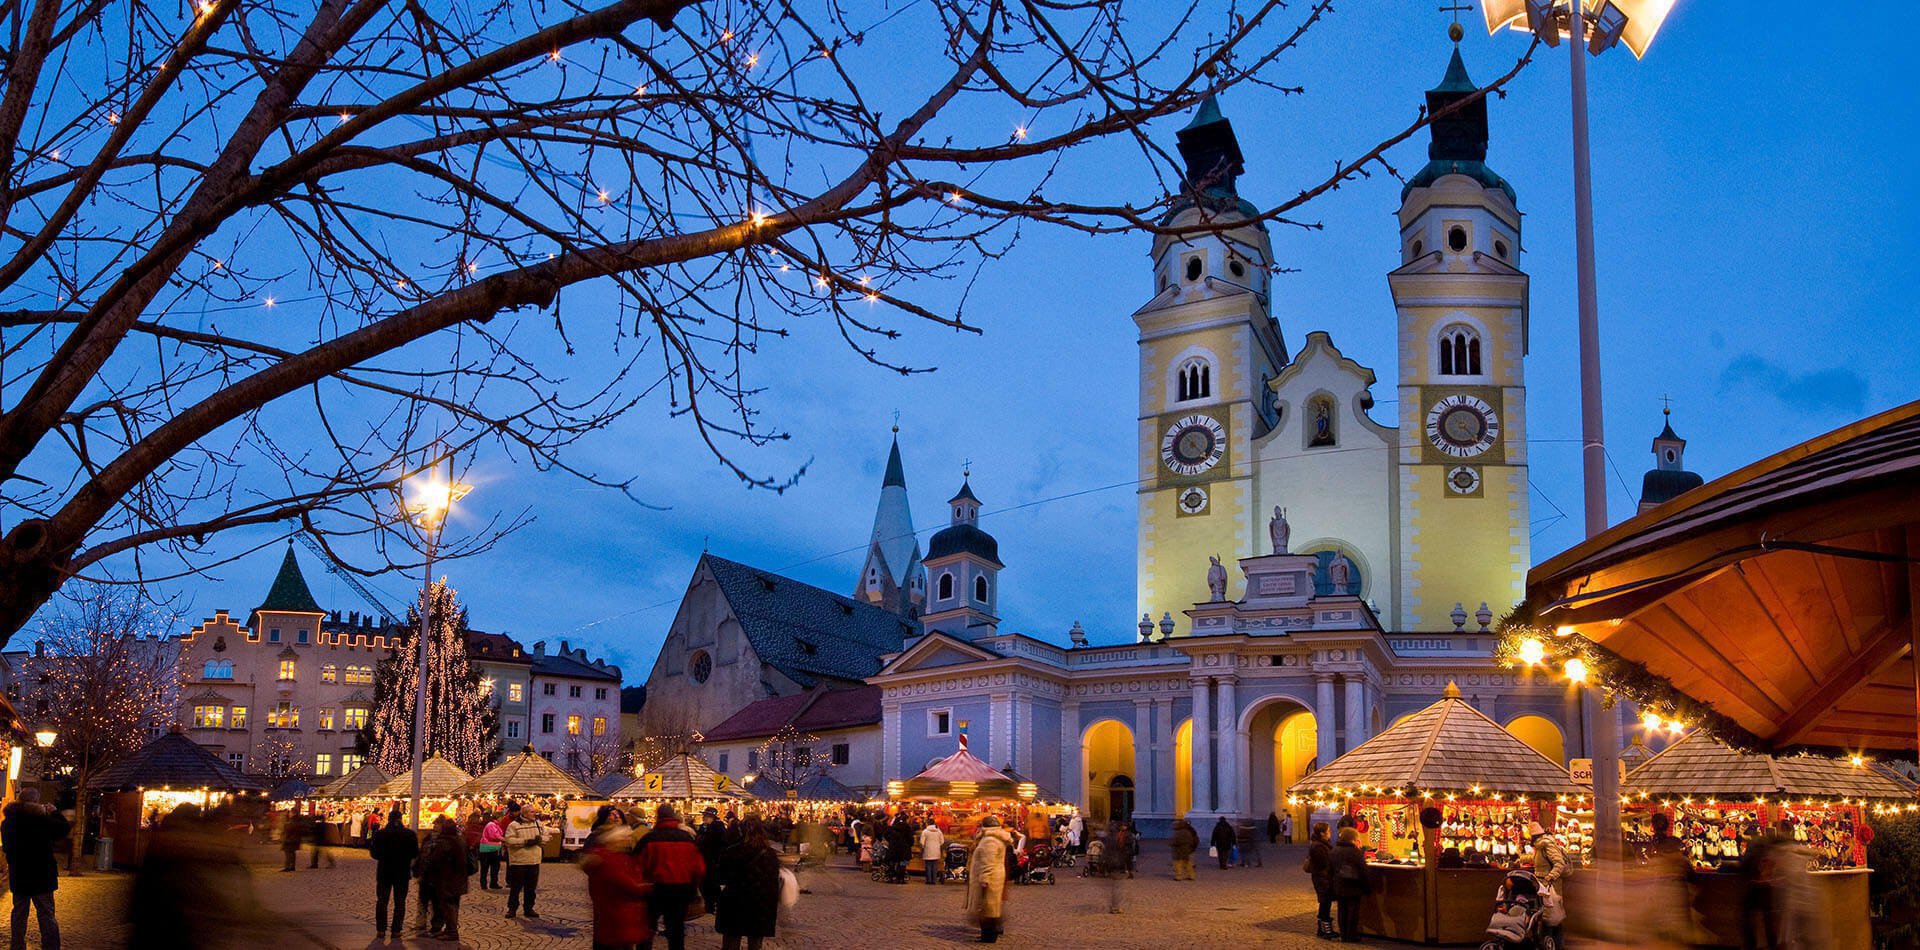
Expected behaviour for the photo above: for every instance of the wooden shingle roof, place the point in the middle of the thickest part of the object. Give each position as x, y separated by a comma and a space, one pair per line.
173, 761
438, 778
529, 775
361, 782
1698, 765
1447, 746
682, 777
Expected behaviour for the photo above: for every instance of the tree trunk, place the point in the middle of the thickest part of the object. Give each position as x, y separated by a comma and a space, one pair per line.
79, 830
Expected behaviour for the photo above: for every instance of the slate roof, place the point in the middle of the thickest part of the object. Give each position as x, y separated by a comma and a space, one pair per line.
964, 539
1447, 746
438, 778
816, 710
683, 777
807, 633
289, 591
359, 783
556, 664
173, 761
1699, 765
496, 648
526, 774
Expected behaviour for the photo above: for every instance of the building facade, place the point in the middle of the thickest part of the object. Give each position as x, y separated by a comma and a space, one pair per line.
786, 740
574, 710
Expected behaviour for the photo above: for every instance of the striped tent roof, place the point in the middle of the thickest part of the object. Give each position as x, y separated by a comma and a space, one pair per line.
1699, 765
359, 783
527, 774
683, 777
962, 766
1446, 746
438, 777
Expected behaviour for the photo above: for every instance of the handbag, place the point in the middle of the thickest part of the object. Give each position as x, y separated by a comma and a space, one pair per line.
789, 889
1213, 851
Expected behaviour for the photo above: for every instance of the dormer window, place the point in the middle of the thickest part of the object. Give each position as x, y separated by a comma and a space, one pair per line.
1195, 380
1459, 351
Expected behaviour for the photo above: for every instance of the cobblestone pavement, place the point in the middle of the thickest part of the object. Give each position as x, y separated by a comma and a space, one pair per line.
843, 908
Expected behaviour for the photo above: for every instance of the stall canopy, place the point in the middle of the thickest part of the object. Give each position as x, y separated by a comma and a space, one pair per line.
1780, 596
291, 789
362, 782
173, 761
683, 777
526, 775
1699, 766
610, 783
958, 777
438, 779
820, 788
1447, 746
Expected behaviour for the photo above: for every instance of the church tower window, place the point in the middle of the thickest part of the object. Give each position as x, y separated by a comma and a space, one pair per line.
1195, 380
1194, 267
980, 589
946, 587
1457, 238
1459, 352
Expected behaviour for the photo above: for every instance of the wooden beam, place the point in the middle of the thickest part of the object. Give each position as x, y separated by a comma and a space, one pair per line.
1913, 620
1885, 645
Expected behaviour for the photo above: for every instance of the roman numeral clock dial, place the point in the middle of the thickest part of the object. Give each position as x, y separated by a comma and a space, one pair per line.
1193, 445
1462, 426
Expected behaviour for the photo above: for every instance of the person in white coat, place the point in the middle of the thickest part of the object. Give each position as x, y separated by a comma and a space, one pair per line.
1076, 831
987, 878
931, 844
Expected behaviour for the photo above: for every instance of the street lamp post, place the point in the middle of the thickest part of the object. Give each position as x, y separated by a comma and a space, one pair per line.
433, 501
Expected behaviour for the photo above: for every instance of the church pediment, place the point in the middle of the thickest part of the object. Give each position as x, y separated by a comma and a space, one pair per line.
936, 650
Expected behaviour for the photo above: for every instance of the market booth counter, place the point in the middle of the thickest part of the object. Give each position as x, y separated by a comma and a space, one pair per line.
440, 783
958, 792
140, 790
687, 782
1445, 781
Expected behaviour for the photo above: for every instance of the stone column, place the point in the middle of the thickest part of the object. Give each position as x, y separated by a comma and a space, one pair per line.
1324, 718
1164, 754
1023, 737
1202, 747
999, 730
1228, 753
1072, 779
1143, 760
1356, 711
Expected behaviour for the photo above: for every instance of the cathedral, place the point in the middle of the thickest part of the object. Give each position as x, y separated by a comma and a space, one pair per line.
1308, 572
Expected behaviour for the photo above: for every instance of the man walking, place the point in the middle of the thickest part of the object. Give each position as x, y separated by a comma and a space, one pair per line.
1184, 842
671, 860
525, 840
713, 842
292, 829
1222, 840
28, 833
393, 848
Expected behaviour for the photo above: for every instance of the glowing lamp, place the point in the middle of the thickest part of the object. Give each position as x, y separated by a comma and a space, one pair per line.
433, 497
1532, 651
1633, 22
1651, 722
1858, 761
45, 738
1577, 670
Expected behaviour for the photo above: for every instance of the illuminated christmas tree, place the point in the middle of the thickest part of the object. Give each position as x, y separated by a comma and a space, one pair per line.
461, 721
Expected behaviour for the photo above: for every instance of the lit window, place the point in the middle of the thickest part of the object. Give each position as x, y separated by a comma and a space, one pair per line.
323, 763
1459, 352
209, 717
599, 725
329, 673
284, 716
350, 761
286, 670
326, 717
239, 718
354, 717
573, 725
514, 693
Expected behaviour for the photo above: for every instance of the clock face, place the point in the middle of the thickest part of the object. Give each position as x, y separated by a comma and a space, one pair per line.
1462, 426
1463, 480
1193, 444
1193, 500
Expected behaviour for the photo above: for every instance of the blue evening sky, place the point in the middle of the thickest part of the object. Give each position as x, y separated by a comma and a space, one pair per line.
1753, 219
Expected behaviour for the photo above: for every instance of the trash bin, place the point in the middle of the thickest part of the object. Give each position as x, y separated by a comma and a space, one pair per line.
103, 854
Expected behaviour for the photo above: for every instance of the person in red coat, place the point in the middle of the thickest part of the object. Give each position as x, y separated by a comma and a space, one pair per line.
672, 864
616, 887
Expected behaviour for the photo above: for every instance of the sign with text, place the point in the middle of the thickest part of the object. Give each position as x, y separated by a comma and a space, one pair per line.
1580, 771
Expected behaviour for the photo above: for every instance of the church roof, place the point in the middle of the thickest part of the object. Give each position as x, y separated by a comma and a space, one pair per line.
896, 472
1459, 133
1447, 746
964, 539
806, 633
965, 493
1660, 485
289, 591
816, 710
893, 541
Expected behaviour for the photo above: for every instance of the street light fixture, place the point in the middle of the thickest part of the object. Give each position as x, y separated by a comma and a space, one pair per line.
432, 501
46, 738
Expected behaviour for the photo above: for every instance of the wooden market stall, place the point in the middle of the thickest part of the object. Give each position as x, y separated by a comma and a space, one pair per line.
141, 789
440, 783
687, 782
1446, 778
957, 792
356, 801
362, 783
537, 783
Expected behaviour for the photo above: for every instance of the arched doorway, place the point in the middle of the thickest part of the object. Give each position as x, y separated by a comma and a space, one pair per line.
1120, 798
1106, 753
1183, 769
1284, 742
1540, 733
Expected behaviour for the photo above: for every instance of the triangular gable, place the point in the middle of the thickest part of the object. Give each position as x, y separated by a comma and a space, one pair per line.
936, 649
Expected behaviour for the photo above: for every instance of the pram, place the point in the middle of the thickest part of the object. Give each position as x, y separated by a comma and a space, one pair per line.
881, 868
1096, 859
1036, 866
956, 862
1519, 913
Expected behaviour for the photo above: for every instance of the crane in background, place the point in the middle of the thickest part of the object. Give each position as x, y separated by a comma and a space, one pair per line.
386, 613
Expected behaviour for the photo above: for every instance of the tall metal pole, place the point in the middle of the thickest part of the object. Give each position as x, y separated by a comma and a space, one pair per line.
1605, 722
420, 683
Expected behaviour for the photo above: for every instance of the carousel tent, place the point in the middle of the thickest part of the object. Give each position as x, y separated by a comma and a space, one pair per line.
173, 761
682, 778
1448, 745
957, 777
1698, 765
438, 778
359, 783
528, 775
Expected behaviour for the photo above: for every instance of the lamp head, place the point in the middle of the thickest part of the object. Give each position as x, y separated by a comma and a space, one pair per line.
46, 738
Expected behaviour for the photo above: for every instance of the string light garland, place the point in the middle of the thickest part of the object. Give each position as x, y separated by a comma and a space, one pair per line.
461, 722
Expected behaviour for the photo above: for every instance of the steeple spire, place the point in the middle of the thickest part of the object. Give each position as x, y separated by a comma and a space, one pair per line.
1211, 151
1669, 476
892, 576
1458, 131
289, 592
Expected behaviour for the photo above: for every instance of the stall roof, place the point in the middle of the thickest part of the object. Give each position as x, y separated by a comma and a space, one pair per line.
438, 778
1698, 765
359, 783
173, 761
1781, 596
526, 774
682, 777
1448, 745
820, 788
962, 766
291, 789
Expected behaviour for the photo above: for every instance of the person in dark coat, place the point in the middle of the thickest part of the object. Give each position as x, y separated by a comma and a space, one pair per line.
393, 848
1350, 885
293, 829
900, 841
443, 874
28, 833
712, 838
1184, 842
1222, 841
1319, 868
750, 889
1273, 827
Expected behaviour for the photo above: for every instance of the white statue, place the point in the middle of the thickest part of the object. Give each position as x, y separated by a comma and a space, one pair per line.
1217, 579
1339, 574
1279, 530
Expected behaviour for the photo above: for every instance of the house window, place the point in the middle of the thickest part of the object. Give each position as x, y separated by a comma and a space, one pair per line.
513, 728
1459, 351
237, 759
300, 637
573, 760
217, 670
842, 753
600, 692
286, 671
573, 725
546, 689
329, 673
946, 586
284, 716
326, 717
573, 692
350, 761
209, 717
354, 717
1195, 380
546, 723
514, 693
939, 722
366, 676
723, 762
753, 759
599, 725
323, 763
980, 589
273, 635
239, 718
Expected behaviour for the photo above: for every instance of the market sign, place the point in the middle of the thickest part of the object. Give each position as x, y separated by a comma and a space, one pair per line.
655, 781
1581, 771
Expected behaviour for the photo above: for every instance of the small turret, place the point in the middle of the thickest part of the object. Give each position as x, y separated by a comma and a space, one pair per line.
962, 568
1669, 477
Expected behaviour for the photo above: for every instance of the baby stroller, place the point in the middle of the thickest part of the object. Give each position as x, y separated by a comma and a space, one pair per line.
1036, 866
882, 864
1096, 859
1063, 856
1519, 916
956, 862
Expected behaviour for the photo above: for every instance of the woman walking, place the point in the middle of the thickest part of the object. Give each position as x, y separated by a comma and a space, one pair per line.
493, 851
615, 886
749, 878
443, 874
1319, 868
1350, 884
987, 875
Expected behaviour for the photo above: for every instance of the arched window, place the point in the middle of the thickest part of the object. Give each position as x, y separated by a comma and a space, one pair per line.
218, 670
1195, 380
946, 587
980, 589
1459, 351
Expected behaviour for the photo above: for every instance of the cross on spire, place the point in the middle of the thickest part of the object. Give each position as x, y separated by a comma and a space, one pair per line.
896, 421
1666, 404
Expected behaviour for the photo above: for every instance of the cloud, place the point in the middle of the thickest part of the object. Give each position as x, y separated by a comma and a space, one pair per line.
1835, 389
